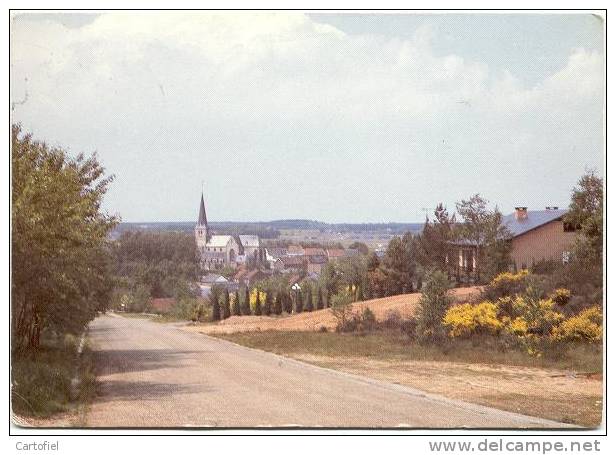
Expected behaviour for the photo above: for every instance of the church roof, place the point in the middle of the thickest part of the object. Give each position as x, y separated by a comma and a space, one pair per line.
249, 240
202, 221
219, 240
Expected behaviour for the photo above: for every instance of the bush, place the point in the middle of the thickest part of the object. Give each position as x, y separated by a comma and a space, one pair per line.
561, 296
367, 321
586, 326
433, 305
506, 284
409, 328
342, 310
392, 320
466, 319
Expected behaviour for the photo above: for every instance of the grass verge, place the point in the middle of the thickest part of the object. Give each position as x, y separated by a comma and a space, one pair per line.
564, 385
43, 386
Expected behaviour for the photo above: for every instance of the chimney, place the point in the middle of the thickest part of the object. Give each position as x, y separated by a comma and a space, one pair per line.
521, 213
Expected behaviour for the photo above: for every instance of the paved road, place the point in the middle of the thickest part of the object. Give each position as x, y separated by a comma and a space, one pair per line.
157, 375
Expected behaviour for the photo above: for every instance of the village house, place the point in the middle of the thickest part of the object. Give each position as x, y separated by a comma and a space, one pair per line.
536, 235
539, 235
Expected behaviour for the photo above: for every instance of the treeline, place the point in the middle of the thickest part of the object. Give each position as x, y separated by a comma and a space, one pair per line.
60, 255
153, 265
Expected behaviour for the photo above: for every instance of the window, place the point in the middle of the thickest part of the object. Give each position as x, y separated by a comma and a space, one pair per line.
566, 256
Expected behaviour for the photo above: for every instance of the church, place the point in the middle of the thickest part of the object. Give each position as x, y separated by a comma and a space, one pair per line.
218, 251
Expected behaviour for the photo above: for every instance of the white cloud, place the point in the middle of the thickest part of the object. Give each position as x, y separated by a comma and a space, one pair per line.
146, 86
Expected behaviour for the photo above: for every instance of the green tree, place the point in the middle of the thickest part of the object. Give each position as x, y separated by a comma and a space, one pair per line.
60, 270
433, 305
399, 265
484, 229
245, 306
278, 303
267, 306
435, 241
308, 300
586, 215
319, 299
361, 247
299, 302
237, 311
258, 311
215, 302
226, 307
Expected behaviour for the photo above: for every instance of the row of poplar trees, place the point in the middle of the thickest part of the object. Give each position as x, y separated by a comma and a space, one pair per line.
223, 306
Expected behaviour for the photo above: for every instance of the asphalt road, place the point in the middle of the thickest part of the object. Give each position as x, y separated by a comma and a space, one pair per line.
158, 375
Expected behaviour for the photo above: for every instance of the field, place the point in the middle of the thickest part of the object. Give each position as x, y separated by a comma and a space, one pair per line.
565, 386
312, 321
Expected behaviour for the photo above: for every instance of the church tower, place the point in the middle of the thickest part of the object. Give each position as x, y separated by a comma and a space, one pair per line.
202, 233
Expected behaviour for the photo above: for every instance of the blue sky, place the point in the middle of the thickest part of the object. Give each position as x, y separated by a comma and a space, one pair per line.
346, 117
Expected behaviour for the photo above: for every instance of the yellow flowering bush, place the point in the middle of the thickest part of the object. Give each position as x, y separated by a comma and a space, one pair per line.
506, 284
467, 319
585, 326
561, 296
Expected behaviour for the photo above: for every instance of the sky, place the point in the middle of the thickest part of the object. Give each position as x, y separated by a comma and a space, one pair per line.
331, 117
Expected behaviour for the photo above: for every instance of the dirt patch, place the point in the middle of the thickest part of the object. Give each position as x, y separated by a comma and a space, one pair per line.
405, 304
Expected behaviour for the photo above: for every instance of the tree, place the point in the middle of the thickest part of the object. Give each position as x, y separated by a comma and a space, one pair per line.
287, 303
237, 311
308, 300
258, 304
375, 277
278, 303
226, 308
215, 302
267, 306
434, 243
433, 305
245, 306
586, 215
319, 299
399, 265
483, 228
361, 247
299, 304
61, 266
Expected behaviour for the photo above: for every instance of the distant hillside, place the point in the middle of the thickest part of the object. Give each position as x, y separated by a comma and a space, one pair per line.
271, 229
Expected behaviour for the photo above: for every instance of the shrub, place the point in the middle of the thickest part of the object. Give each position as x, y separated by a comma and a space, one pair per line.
342, 310
466, 319
506, 284
433, 305
561, 296
308, 301
226, 307
367, 320
245, 306
585, 326
392, 320
409, 328
277, 309
237, 310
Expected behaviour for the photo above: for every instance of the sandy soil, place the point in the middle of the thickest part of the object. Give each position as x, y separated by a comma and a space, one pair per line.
405, 304
552, 394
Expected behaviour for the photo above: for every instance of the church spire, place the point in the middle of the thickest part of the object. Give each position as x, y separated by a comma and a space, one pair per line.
202, 221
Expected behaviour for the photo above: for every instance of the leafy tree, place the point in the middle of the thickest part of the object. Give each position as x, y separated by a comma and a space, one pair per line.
361, 247
308, 300
433, 305
226, 307
586, 214
375, 277
60, 270
484, 229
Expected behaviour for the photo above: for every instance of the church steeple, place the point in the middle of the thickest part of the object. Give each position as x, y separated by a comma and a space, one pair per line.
202, 221
202, 232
